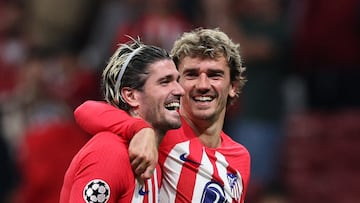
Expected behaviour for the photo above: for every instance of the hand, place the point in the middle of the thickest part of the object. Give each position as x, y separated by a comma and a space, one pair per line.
143, 153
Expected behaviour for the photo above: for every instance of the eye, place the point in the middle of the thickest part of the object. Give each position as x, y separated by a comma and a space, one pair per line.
216, 75
164, 82
190, 75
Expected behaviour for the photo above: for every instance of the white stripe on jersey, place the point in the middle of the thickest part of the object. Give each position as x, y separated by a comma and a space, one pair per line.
156, 184
203, 176
171, 172
147, 187
150, 188
136, 196
221, 165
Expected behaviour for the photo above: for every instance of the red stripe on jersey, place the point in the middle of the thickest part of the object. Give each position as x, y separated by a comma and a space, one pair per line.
213, 159
189, 171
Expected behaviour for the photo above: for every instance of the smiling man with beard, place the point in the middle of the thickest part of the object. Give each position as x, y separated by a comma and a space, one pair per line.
143, 81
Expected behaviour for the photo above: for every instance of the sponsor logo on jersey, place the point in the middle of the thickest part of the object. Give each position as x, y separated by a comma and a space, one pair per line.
96, 191
183, 157
213, 192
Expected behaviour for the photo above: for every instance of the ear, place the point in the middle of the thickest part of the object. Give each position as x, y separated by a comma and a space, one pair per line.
232, 89
129, 96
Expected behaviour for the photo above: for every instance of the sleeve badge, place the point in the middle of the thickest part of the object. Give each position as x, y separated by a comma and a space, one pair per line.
96, 191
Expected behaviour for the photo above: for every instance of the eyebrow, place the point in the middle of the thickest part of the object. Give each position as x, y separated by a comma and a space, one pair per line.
210, 70
166, 77
215, 71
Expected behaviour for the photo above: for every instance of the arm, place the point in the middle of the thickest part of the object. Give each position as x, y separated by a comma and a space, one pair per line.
96, 116
95, 164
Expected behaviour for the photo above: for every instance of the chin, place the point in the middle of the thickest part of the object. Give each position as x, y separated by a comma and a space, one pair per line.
176, 124
203, 116
203, 113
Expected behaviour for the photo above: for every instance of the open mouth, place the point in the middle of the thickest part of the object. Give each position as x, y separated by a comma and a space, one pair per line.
172, 106
203, 98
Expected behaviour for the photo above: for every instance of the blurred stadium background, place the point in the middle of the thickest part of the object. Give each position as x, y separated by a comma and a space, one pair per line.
298, 115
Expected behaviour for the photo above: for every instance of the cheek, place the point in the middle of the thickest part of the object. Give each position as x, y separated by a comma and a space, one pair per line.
182, 82
186, 86
188, 82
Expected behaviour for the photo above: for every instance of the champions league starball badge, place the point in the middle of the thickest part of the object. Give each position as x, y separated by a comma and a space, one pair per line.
96, 191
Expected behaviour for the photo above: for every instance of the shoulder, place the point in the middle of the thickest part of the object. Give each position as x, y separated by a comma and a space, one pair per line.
101, 154
229, 144
105, 146
104, 158
237, 155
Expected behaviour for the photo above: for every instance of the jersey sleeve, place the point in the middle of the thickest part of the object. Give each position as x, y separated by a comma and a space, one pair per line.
97, 116
103, 171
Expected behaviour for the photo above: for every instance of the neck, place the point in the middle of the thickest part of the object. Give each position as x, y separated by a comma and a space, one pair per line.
158, 132
207, 131
159, 135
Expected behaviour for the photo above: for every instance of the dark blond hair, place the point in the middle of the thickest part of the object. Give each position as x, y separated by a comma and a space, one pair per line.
212, 43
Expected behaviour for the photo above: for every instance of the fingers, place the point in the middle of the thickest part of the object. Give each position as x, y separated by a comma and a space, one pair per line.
139, 165
149, 172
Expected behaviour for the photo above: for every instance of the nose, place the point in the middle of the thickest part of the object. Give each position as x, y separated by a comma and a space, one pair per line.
203, 81
178, 90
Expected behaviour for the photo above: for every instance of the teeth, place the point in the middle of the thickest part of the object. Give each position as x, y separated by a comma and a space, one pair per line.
172, 105
203, 98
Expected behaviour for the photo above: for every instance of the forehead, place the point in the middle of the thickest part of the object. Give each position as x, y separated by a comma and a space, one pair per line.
162, 68
202, 64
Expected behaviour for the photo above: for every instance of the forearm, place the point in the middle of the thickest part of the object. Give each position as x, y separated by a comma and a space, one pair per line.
96, 116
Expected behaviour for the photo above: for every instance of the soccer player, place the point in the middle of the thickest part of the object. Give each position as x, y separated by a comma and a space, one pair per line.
143, 81
200, 163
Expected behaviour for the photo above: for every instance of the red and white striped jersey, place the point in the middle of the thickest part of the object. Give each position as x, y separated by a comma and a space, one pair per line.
195, 173
101, 172
191, 172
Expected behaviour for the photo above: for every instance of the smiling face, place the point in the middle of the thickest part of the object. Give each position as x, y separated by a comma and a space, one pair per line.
159, 101
207, 86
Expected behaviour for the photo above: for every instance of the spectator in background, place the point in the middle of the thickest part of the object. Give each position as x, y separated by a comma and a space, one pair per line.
160, 23
52, 24
43, 157
8, 172
12, 46
44, 125
326, 58
327, 52
112, 15
12, 56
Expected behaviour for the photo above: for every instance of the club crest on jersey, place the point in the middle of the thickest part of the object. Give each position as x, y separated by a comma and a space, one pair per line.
236, 186
96, 191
